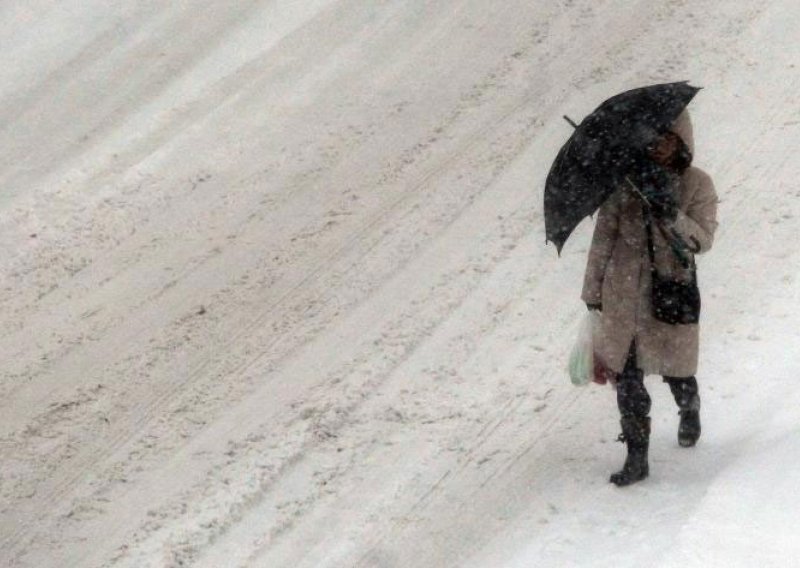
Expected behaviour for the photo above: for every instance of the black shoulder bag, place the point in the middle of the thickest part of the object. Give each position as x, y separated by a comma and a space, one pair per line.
673, 302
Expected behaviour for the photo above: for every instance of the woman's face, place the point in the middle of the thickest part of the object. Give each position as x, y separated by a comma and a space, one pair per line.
664, 148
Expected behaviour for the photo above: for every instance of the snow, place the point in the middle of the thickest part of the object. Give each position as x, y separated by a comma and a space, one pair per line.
275, 292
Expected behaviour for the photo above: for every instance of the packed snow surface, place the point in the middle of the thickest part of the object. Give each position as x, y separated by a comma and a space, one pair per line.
274, 290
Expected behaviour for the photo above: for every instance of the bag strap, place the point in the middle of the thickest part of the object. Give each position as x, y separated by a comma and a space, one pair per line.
650, 248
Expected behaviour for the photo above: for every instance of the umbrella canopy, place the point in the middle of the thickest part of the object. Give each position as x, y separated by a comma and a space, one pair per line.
606, 146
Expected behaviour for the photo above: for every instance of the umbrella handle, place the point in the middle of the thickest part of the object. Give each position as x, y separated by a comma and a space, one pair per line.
568, 119
677, 244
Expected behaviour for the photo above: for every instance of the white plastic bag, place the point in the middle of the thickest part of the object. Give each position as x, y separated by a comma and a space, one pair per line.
581, 358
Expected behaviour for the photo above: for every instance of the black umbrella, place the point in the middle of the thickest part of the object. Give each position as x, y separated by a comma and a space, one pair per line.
605, 147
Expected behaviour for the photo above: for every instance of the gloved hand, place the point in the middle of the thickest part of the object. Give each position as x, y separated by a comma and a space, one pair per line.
593, 307
655, 183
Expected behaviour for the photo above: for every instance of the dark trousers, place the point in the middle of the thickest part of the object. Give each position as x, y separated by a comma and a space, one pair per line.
632, 397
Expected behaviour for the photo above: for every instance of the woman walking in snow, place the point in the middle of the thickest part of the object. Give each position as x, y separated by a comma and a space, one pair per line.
668, 213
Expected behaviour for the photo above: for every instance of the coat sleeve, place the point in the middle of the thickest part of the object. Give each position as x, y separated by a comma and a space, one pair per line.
697, 225
603, 240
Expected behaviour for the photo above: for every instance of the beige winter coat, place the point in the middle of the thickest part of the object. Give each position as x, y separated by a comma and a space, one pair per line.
618, 276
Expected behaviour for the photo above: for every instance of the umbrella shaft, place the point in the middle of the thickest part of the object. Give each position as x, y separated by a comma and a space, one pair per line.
676, 243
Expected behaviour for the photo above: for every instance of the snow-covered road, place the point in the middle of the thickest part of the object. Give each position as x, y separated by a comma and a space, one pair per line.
274, 290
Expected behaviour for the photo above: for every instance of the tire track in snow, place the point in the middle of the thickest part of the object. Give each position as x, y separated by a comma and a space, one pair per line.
61, 485
296, 460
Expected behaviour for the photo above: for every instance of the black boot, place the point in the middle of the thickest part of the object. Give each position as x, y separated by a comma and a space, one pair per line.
688, 400
636, 434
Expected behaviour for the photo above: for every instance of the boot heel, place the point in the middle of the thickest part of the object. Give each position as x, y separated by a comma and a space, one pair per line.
689, 428
685, 392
